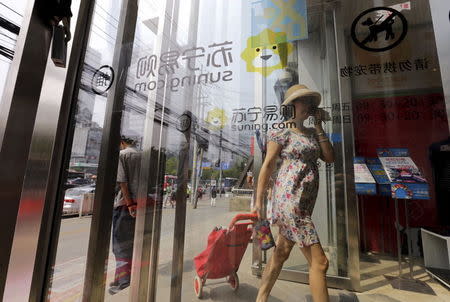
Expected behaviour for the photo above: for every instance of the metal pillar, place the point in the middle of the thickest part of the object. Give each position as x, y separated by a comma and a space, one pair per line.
149, 219
17, 122
100, 233
408, 232
260, 101
399, 244
180, 218
399, 241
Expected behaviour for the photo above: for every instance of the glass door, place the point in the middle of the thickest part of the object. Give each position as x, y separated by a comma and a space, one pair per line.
315, 64
174, 106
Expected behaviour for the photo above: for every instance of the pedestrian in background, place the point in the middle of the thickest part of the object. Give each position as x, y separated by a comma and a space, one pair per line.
173, 197
167, 196
213, 196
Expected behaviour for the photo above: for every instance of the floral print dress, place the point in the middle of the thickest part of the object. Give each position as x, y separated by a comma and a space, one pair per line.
295, 189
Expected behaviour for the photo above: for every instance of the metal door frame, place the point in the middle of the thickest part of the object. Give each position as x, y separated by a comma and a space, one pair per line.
440, 14
34, 90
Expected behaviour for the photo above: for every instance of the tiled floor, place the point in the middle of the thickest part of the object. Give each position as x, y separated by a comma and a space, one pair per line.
377, 273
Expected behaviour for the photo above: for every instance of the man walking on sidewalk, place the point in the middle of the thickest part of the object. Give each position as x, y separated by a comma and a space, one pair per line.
124, 213
213, 196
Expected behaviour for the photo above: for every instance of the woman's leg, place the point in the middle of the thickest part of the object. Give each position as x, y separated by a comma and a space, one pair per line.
318, 266
274, 265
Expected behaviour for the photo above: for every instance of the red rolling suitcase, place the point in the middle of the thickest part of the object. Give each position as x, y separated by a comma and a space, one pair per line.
223, 254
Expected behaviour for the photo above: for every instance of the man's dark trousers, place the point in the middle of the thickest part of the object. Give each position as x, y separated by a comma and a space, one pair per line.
122, 243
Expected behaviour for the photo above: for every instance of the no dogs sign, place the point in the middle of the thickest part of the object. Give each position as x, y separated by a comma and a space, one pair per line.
379, 29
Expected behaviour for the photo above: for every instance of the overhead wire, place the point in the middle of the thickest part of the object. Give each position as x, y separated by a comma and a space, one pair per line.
3, 60
159, 93
15, 40
2, 4
9, 20
117, 20
8, 42
136, 38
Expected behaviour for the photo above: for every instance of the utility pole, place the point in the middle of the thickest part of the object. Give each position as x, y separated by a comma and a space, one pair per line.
194, 156
220, 164
198, 156
198, 173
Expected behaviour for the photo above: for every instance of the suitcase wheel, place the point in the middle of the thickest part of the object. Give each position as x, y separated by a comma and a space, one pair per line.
198, 286
233, 279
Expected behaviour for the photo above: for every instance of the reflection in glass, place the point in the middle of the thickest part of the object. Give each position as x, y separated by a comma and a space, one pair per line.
11, 15
69, 269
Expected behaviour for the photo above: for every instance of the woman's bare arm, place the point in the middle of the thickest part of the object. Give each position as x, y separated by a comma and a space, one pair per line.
326, 152
326, 148
273, 151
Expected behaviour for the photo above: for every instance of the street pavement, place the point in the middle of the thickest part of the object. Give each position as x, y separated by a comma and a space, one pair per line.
72, 250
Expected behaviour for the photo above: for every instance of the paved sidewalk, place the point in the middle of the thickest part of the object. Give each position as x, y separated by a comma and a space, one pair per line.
218, 290
202, 220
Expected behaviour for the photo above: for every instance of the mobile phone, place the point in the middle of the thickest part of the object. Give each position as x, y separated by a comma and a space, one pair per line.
59, 46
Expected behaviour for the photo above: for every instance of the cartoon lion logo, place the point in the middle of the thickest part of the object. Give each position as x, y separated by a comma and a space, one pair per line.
216, 119
273, 50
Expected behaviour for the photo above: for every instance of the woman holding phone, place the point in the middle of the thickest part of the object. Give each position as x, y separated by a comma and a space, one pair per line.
295, 190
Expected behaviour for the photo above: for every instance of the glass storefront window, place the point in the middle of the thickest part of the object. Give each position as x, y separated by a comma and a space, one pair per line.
397, 102
216, 89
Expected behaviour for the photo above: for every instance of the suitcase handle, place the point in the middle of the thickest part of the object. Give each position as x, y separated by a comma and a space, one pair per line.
242, 217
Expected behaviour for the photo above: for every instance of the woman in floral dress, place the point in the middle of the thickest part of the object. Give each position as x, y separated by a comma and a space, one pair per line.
295, 190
